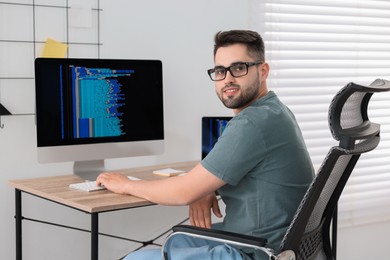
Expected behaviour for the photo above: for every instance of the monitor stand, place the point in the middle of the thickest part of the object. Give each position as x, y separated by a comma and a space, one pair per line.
88, 170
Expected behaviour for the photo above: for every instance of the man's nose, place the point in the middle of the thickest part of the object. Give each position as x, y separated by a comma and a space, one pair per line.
229, 77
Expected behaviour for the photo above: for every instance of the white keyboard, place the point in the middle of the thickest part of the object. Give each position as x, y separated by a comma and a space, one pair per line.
92, 186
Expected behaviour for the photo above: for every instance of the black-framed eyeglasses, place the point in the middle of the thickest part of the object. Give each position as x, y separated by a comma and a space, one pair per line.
237, 69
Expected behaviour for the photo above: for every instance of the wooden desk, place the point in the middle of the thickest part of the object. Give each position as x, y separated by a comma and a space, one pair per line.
56, 189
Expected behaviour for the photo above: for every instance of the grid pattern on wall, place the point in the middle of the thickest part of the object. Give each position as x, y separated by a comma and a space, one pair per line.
25, 26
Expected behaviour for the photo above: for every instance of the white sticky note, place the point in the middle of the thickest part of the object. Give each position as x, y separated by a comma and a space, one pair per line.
80, 14
168, 172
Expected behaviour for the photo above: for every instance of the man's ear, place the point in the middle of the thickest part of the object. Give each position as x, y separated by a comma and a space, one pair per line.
264, 70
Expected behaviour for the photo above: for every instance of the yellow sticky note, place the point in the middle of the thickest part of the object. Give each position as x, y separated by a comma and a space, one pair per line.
54, 49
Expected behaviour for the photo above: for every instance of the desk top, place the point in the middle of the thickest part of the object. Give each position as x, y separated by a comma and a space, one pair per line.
57, 189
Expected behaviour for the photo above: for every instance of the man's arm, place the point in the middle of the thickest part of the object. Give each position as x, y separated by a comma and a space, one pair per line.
180, 190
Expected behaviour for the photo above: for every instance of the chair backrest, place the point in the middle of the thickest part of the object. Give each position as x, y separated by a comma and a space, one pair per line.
309, 233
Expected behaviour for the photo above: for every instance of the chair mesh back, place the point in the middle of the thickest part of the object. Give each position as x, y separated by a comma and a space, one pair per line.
311, 243
342, 161
350, 114
334, 177
308, 233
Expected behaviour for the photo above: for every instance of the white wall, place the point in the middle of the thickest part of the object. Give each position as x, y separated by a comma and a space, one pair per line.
364, 242
180, 33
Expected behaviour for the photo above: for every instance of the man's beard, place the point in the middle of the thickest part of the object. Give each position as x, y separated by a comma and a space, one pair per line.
244, 98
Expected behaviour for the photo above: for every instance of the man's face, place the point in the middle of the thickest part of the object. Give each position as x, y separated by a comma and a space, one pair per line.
238, 92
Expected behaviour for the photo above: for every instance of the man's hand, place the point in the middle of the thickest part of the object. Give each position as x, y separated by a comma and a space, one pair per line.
200, 211
114, 182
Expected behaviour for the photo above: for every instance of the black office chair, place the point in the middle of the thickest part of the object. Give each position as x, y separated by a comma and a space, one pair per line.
308, 236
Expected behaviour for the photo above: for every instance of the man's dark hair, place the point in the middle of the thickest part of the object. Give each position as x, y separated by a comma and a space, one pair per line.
253, 41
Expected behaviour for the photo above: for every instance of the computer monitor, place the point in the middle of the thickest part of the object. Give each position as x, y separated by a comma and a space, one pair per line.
212, 128
88, 110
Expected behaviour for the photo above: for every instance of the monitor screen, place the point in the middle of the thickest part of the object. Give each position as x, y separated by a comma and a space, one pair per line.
88, 110
212, 128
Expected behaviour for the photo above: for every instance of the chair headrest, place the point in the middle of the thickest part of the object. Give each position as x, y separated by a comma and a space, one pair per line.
348, 119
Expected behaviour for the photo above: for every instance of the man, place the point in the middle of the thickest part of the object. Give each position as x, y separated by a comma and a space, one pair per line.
259, 166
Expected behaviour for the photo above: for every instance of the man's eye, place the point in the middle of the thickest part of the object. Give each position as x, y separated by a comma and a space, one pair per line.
219, 72
239, 67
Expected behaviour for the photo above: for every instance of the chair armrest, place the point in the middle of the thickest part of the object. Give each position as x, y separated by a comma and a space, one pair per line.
231, 238
224, 235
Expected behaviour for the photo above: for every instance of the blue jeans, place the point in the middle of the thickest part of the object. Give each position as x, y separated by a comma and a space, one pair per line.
184, 247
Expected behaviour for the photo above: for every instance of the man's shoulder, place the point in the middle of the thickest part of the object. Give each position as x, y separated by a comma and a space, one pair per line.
261, 111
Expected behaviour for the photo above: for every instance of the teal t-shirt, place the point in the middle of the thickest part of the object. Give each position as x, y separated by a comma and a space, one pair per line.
262, 158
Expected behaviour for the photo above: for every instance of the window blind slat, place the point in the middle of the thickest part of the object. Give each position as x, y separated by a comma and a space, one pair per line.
315, 83
325, 37
334, 29
347, 9
290, 18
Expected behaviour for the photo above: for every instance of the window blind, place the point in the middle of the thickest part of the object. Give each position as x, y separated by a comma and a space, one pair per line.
314, 48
